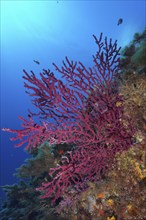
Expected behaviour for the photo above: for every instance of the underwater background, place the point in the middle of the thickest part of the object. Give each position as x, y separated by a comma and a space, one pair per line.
34, 34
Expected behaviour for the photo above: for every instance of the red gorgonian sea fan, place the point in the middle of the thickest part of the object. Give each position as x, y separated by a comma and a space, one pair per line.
86, 111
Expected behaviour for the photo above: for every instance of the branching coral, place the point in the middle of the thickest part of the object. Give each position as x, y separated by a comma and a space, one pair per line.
96, 117
87, 112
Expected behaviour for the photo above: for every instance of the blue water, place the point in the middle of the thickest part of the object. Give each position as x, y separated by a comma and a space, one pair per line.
47, 31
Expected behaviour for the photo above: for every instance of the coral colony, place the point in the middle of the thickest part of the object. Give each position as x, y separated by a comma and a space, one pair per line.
86, 110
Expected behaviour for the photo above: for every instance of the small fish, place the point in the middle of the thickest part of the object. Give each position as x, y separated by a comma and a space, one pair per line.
120, 21
37, 62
